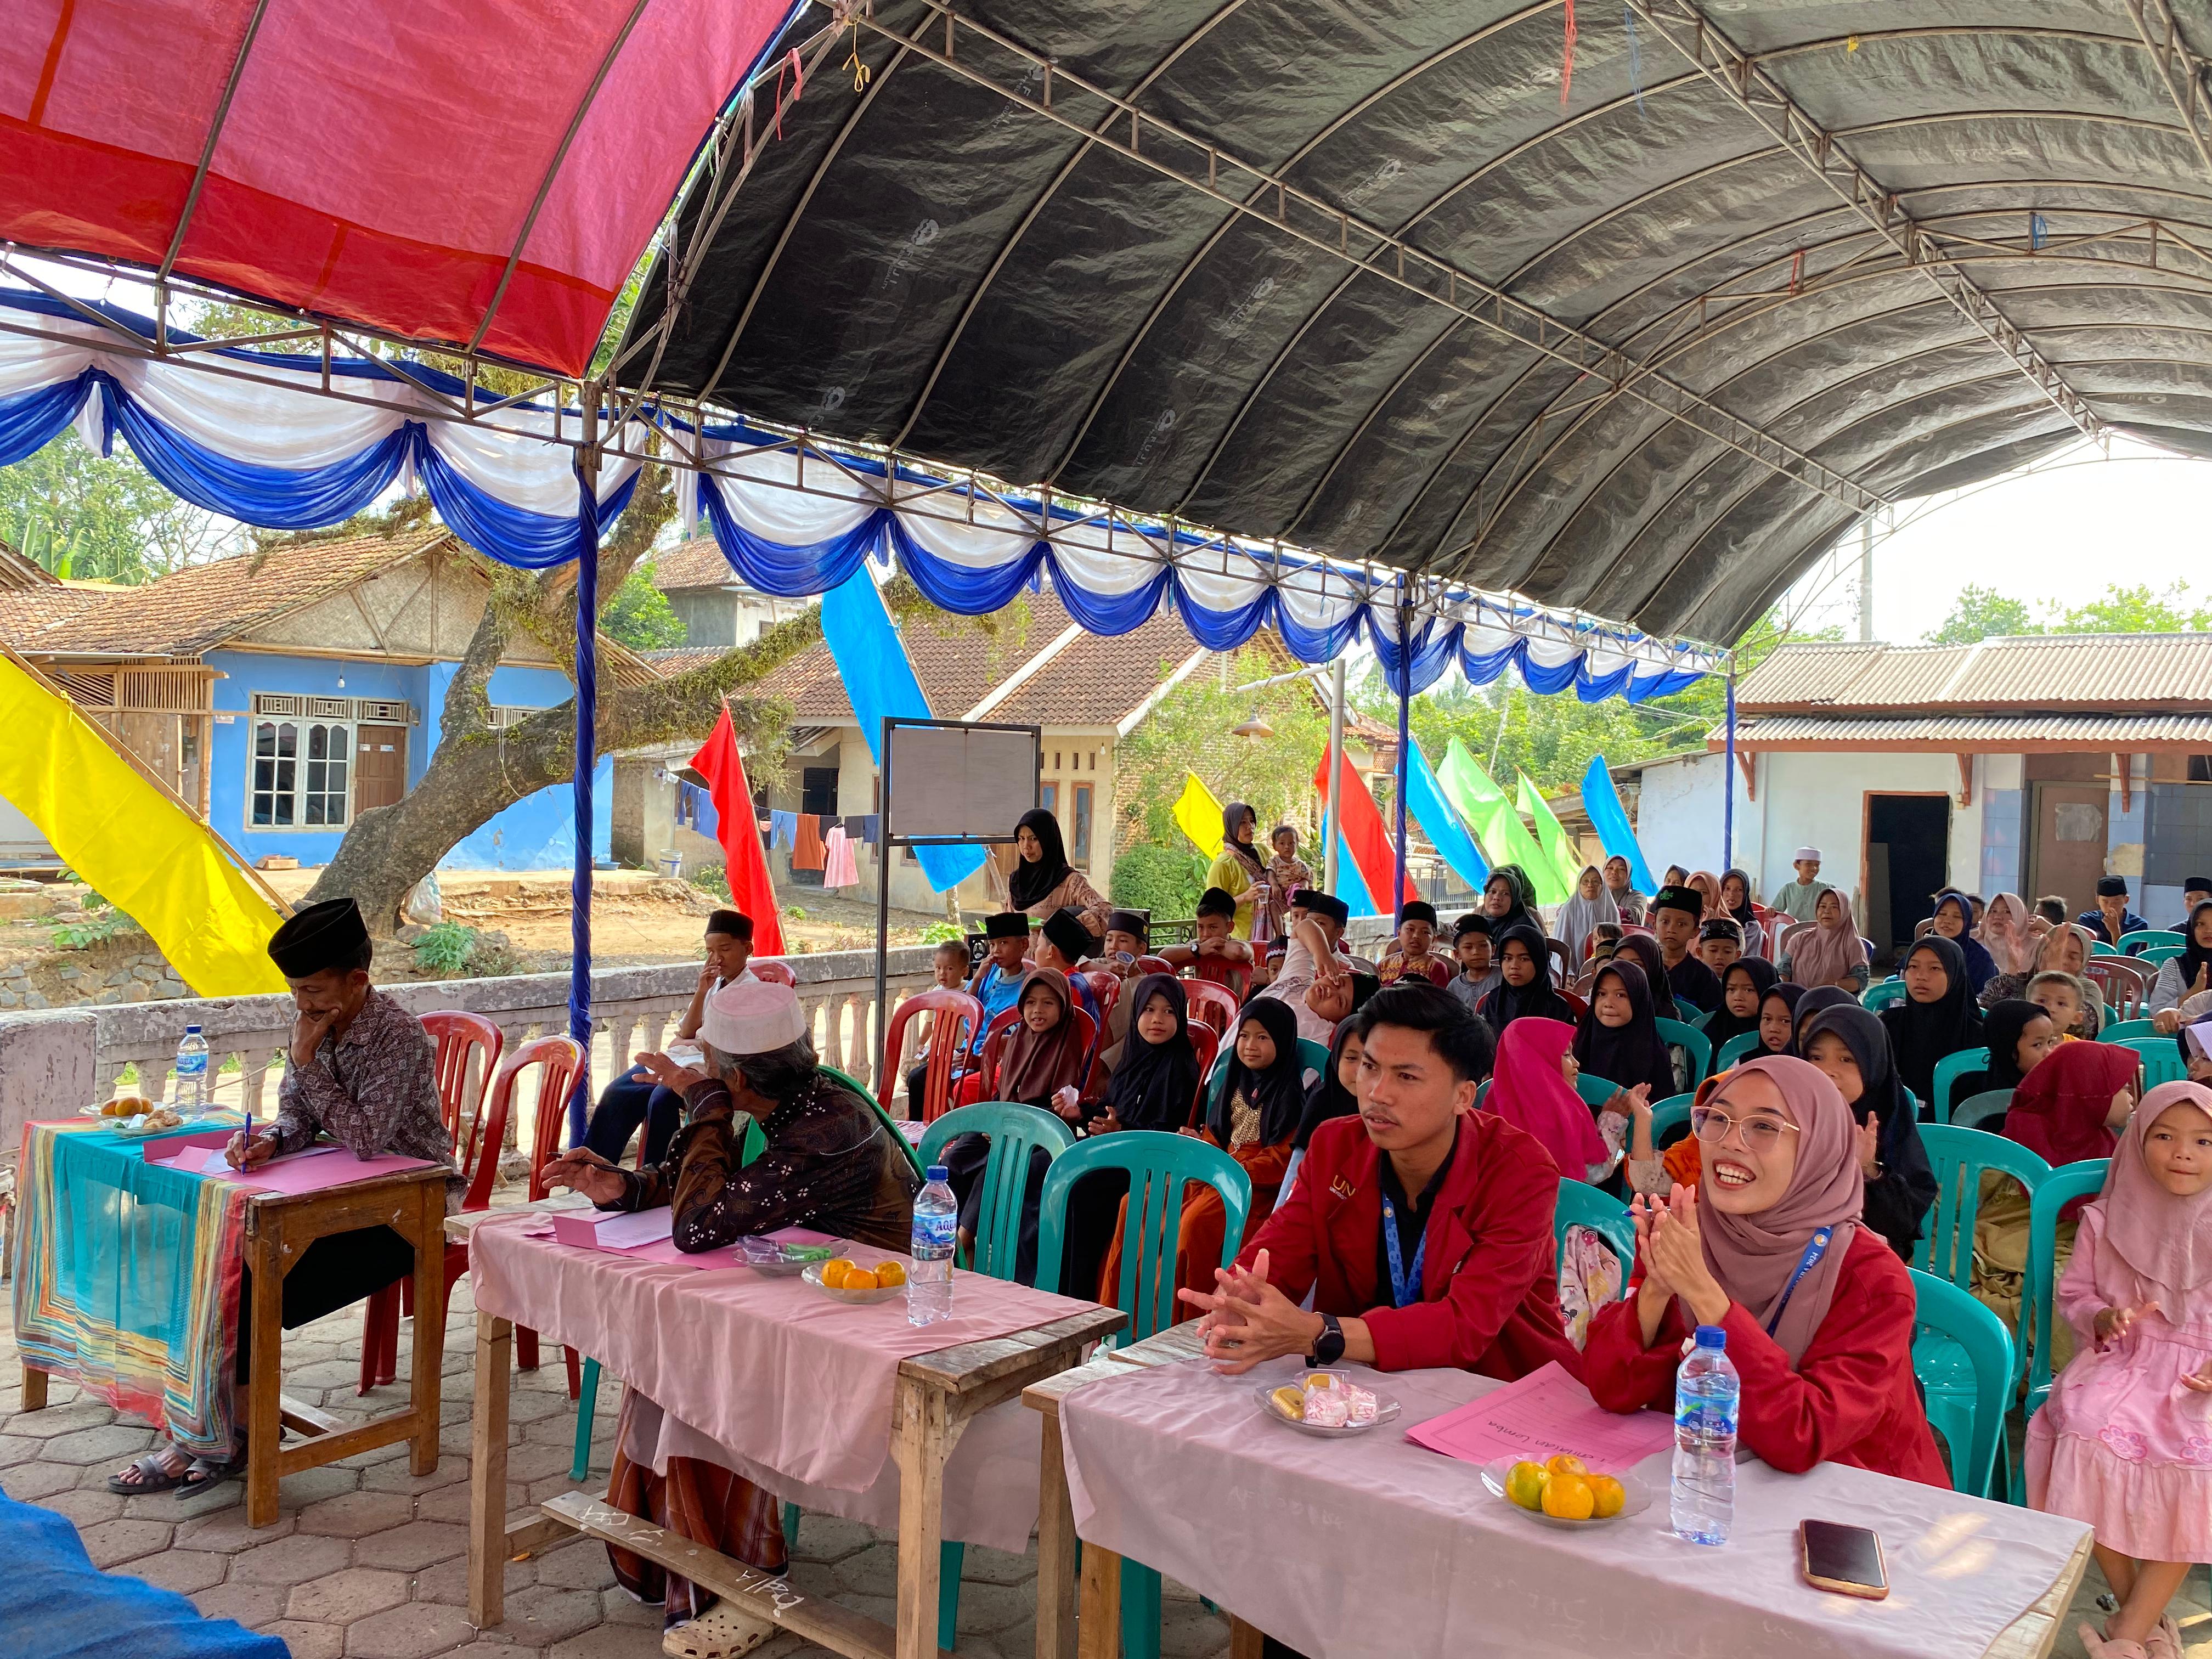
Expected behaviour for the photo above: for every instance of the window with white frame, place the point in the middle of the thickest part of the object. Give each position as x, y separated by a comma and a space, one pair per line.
299, 772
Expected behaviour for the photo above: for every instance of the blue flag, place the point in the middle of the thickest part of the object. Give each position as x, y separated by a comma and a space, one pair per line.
1424, 799
879, 681
1602, 804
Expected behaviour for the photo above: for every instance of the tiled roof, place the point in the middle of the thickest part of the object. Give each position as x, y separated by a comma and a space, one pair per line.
1094, 680
24, 612
198, 608
2083, 731
698, 562
2102, 672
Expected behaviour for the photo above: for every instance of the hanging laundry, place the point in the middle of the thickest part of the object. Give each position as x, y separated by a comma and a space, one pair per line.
865, 826
806, 847
782, 830
839, 867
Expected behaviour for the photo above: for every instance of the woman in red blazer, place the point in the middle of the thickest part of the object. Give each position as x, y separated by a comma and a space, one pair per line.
1472, 1283
1818, 1308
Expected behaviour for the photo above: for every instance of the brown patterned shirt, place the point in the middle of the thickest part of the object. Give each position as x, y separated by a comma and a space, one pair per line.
372, 1088
830, 1164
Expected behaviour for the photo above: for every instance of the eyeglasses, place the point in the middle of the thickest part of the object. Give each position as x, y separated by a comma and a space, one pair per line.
1760, 1135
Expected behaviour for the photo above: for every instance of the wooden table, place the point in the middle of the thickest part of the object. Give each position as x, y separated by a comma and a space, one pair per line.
279, 1227
1097, 1633
937, 1395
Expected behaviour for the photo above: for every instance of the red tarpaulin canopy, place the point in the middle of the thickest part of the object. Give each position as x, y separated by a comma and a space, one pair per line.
471, 172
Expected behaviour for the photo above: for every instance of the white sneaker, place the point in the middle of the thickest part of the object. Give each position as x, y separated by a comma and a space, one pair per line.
723, 1632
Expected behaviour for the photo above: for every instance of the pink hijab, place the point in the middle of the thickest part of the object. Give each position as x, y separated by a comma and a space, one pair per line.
2163, 1240
1753, 1256
1709, 885
1531, 1093
2004, 934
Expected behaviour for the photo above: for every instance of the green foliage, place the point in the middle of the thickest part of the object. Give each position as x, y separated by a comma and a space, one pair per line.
1982, 613
103, 518
714, 879
640, 616
97, 929
446, 948
938, 932
1190, 732
1155, 879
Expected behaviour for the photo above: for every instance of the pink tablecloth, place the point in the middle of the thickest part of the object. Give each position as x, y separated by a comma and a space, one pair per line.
784, 1376
1374, 1547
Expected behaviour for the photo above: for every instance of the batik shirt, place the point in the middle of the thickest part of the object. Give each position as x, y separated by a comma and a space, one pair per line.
830, 1164
373, 1088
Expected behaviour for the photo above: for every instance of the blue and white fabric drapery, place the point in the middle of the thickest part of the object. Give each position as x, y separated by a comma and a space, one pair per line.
276, 451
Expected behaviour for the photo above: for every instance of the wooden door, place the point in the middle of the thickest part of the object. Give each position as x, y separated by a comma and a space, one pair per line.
380, 767
2069, 846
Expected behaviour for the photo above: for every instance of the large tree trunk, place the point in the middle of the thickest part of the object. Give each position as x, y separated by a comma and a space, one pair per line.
476, 772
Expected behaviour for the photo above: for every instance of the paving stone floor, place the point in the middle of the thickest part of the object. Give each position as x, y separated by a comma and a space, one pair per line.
366, 1561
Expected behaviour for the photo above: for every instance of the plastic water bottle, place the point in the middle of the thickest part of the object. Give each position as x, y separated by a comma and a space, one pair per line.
929, 1281
191, 1096
1706, 1395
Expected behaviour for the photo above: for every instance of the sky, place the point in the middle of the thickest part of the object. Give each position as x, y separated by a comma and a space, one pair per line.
2069, 528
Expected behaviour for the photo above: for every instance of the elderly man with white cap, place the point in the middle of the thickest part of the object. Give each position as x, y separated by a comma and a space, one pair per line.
1800, 899
830, 1163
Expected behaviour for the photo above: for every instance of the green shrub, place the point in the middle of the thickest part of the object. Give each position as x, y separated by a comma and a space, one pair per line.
446, 948
939, 932
714, 879
1147, 877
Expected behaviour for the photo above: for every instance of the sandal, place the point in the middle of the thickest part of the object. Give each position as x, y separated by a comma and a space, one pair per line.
206, 1472
721, 1633
155, 1473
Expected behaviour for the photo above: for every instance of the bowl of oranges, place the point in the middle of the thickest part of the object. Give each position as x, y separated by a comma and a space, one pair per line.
1564, 1491
848, 1281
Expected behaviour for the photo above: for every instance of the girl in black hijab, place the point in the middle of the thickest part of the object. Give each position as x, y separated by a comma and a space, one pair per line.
1849, 1045
1645, 949
1276, 1090
1777, 1017
1750, 977
1629, 1053
2011, 1033
1033, 879
1329, 1095
1534, 994
1812, 1002
1154, 1085
1922, 1032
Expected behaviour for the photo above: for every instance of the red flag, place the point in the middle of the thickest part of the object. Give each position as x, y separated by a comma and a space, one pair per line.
1365, 837
738, 831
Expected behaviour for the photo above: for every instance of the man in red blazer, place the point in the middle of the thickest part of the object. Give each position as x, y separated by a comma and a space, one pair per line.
1422, 1226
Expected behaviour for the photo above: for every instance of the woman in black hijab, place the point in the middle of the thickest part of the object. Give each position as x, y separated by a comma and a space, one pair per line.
1505, 898
1849, 1045
1747, 979
1645, 949
1154, 1084
1937, 1016
1523, 941
1043, 882
1631, 1051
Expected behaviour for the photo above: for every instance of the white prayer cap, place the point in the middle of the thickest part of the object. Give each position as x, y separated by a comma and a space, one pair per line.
1804, 853
751, 1016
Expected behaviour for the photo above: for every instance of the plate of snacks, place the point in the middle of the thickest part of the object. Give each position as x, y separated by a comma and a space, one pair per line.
157, 1121
851, 1281
781, 1260
1327, 1403
1563, 1491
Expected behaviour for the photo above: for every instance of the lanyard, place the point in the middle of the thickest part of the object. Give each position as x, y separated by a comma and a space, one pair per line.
1405, 1288
1813, 1252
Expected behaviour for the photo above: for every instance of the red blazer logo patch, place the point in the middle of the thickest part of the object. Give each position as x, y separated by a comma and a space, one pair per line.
1342, 1187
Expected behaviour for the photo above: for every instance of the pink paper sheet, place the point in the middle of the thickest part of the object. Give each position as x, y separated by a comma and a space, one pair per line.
312, 1174
1543, 1415
793, 1380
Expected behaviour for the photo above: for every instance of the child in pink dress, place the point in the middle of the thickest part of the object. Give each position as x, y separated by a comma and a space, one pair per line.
2125, 1441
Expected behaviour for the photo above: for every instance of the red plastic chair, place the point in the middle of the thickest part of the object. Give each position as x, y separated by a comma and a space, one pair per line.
773, 970
1206, 1042
459, 1036
1154, 965
1575, 1002
1107, 989
959, 1016
1214, 1005
982, 1084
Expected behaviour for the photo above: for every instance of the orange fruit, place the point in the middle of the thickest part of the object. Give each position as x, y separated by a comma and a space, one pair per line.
890, 1272
1608, 1495
1563, 1464
1525, 1483
860, 1278
834, 1272
1569, 1498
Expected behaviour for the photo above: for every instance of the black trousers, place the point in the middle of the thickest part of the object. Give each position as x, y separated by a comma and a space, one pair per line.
332, 1272
631, 1099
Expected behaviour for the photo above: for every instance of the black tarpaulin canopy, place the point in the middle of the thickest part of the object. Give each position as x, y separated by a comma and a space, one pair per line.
1361, 277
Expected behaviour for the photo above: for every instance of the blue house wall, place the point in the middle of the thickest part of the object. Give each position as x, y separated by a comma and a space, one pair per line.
536, 833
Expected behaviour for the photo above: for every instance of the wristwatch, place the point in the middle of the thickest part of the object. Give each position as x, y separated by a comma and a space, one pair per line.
1328, 1346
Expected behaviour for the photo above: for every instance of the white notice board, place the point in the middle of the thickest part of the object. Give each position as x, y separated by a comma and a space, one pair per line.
960, 782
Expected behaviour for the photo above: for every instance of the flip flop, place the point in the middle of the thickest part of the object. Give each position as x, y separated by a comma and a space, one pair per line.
206, 1472
154, 1475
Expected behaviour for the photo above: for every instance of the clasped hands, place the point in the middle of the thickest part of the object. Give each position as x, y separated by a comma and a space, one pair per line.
1247, 1320
1669, 1245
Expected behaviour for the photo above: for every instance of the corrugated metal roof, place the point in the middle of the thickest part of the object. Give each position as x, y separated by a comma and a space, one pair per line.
2086, 731
2056, 671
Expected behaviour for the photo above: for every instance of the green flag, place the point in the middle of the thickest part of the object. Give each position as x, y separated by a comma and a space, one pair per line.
1559, 848
1486, 809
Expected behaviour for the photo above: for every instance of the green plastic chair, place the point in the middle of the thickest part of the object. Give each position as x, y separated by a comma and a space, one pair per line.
2144, 935
587, 1387
1580, 1204
1963, 1360
1015, 1131
1880, 995
2099, 948
1676, 1035
884, 1117
1595, 1091
1976, 1111
2068, 1182
1685, 1005
1670, 1114
2161, 1060
1949, 1070
1703, 1020
2158, 953
2121, 1029
1960, 1157
1158, 1165
1734, 1049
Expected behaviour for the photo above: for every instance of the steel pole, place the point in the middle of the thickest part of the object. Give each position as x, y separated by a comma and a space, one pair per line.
1332, 809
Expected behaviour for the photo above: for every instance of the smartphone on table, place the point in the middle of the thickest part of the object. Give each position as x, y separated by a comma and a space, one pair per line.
1844, 1560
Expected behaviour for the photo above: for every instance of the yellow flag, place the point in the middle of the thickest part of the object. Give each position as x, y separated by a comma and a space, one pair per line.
1198, 816
138, 849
